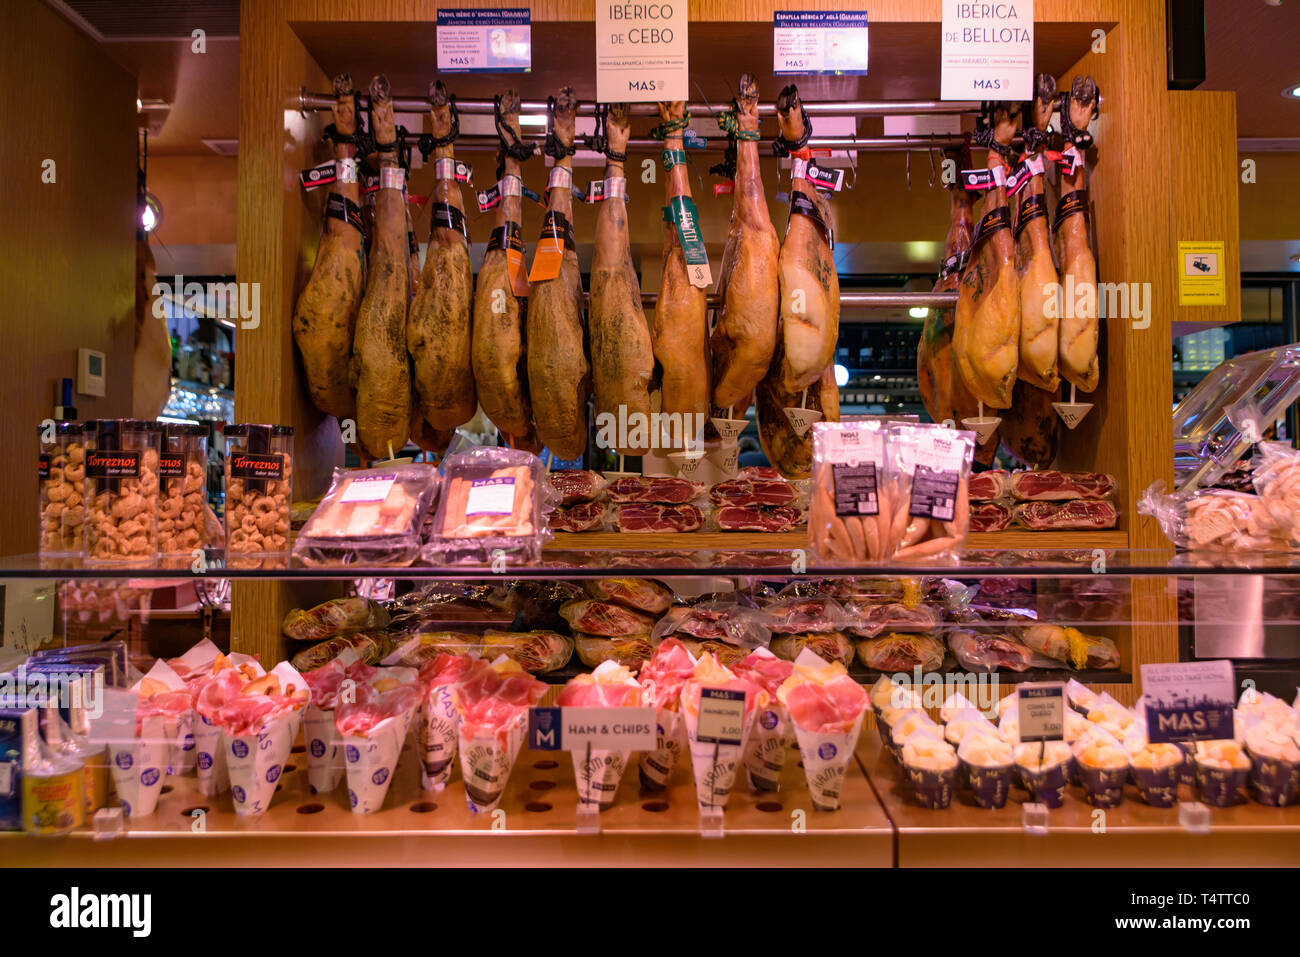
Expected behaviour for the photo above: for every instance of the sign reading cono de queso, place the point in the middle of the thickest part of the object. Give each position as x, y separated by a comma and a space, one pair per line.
641, 52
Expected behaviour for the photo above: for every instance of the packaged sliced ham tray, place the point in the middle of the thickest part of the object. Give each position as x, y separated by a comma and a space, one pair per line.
370, 517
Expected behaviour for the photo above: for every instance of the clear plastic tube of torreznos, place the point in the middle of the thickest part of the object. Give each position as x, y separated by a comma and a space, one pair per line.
182, 501
121, 491
259, 492
847, 518
62, 471
927, 481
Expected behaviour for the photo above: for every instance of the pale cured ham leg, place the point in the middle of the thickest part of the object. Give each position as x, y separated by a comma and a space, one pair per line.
986, 334
745, 335
559, 377
500, 371
622, 355
1039, 315
809, 286
439, 327
1078, 359
680, 325
380, 359
326, 313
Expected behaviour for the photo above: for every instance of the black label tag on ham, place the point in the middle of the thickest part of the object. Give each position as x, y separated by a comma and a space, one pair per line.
855, 489
1019, 177
934, 494
340, 207
447, 216
490, 198
255, 465
509, 236
1070, 205
827, 179
43, 470
989, 224
318, 176
113, 464
171, 465
982, 178
556, 224
1032, 207
803, 206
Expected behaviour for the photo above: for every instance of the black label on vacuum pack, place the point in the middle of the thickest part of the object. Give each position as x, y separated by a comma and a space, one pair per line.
855, 489
113, 464
934, 493
171, 465
254, 465
44, 467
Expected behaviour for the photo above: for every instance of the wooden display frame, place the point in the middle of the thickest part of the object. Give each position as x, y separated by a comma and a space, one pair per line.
1143, 128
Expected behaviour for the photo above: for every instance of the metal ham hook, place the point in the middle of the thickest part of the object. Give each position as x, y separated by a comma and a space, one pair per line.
930, 153
907, 153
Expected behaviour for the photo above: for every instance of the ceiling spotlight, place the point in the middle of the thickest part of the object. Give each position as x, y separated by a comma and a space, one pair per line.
1292, 91
918, 312
841, 376
151, 213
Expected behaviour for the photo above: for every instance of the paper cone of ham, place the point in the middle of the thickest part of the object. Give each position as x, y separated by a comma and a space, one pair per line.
138, 764
769, 738
164, 693
493, 724
715, 764
257, 726
826, 707
221, 682
662, 678
191, 667
324, 758
599, 771
372, 725
438, 722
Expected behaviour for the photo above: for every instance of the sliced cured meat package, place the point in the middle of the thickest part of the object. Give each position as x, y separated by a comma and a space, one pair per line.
658, 489
791, 615
895, 652
990, 485
581, 517
746, 491
1054, 486
605, 618
1079, 514
872, 618
978, 651
576, 485
639, 594
739, 518
829, 645
658, 518
989, 516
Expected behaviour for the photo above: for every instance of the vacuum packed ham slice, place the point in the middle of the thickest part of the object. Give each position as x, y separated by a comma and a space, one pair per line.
1079, 514
579, 517
750, 518
989, 516
658, 518
990, 485
744, 491
576, 485
605, 618
661, 489
1054, 486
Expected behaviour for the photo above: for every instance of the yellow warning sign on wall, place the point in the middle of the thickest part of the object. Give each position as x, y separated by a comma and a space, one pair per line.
1200, 274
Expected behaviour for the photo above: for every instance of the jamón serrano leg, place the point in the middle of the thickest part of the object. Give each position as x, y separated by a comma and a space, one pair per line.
986, 334
382, 365
326, 313
622, 355
439, 328
679, 328
745, 336
809, 286
1029, 427
1034, 266
790, 453
500, 371
559, 377
1078, 358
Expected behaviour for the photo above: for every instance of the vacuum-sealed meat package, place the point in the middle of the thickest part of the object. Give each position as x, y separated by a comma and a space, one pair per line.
370, 517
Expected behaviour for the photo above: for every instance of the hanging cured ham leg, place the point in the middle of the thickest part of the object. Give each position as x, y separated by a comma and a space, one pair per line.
1078, 358
380, 359
559, 378
439, 329
986, 333
745, 335
679, 328
622, 355
1039, 315
326, 314
789, 452
500, 371
809, 287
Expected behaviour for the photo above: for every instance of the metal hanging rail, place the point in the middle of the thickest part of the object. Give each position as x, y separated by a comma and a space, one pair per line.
876, 300
918, 143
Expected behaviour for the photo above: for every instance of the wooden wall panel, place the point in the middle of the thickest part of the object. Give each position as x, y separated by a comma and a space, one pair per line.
67, 256
1269, 208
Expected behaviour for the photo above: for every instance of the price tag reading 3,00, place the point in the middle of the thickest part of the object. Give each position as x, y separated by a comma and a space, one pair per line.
722, 716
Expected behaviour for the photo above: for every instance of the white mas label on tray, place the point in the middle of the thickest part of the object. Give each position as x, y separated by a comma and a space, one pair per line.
1188, 700
369, 488
490, 496
814, 41
485, 41
987, 50
722, 716
641, 52
1042, 711
601, 729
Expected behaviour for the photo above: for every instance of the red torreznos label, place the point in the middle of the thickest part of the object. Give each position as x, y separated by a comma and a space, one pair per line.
44, 468
171, 465
115, 464
255, 465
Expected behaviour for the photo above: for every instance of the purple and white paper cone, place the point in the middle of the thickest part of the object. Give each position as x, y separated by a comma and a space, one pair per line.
598, 782
826, 757
324, 758
210, 758
180, 735
138, 766
486, 763
715, 765
656, 767
370, 762
768, 742
437, 731
255, 762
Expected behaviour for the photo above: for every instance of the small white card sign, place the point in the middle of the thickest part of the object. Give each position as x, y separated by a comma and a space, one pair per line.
987, 50
485, 41
722, 716
1042, 711
819, 41
1188, 700
601, 729
641, 52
